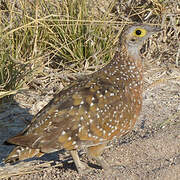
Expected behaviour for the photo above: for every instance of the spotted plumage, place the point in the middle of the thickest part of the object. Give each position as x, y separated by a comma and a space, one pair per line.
93, 110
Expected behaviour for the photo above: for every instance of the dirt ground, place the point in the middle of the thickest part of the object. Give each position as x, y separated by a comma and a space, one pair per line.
151, 151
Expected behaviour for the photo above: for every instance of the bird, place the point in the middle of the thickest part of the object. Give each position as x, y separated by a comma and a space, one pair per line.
91, 111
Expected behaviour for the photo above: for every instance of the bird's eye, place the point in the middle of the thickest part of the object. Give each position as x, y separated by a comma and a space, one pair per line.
139, 32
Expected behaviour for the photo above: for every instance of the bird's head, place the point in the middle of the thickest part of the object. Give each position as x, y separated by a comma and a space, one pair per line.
136, 34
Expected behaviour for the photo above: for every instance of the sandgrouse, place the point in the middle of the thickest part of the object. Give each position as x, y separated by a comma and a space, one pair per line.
93, 110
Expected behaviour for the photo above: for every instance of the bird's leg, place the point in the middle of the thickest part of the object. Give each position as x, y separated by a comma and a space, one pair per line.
79, 165
95, 152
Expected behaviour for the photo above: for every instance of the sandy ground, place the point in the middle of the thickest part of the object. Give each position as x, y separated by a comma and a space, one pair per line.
150, 151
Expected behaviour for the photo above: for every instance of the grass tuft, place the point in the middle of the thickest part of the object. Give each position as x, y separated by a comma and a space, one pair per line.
58, 35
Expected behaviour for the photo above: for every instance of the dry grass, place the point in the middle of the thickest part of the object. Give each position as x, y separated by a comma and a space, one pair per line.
45, 44
24, 168
38, 35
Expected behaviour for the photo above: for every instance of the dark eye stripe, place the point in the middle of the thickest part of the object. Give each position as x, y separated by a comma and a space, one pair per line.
138, 32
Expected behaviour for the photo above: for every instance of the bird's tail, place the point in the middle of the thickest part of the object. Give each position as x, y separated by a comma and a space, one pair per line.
22, 153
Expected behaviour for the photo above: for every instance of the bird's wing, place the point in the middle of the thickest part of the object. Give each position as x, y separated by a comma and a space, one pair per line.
64, 111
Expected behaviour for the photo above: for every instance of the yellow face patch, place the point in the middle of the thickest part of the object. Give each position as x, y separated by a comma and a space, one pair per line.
139, 32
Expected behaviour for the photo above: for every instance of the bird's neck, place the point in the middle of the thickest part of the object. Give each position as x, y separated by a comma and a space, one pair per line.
126, 65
